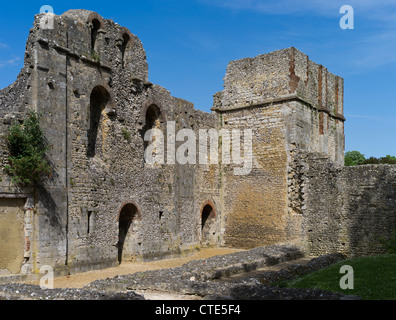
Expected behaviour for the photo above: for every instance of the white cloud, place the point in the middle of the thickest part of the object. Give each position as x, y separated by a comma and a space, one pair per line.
372, 51
369, 47
4, 46
10, 62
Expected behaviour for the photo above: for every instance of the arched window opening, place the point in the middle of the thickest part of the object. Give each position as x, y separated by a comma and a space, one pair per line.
99, 99
153, 115
153, 120
94, 33
128, 214
126, 41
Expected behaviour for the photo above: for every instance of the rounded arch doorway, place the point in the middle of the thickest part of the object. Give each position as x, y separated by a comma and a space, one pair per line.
208, 230
128, 214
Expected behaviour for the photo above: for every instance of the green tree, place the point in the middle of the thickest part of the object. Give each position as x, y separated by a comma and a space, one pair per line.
354, 158
388, 159
27, 163
371, 160
382, 160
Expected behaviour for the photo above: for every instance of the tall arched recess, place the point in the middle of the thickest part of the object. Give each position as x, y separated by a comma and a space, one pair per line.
99, 100
96, 25
125, 47
208, 231
124, 41
153, 119
128, 214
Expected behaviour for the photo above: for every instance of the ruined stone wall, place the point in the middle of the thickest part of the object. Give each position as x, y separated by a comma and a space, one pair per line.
78, 210
289, 75
291, 104
100, 186
255, 203
88, 77
319, 119
348, 209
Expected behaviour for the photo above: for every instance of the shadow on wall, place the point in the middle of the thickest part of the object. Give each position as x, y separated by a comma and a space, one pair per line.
208, 215
48, 203
128, 213
349, 208
371, 206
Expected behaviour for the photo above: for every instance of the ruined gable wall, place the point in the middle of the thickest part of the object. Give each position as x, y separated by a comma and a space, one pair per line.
100, 186
118, 173
76, 222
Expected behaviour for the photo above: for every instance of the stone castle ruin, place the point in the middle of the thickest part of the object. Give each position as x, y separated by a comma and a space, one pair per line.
105, 204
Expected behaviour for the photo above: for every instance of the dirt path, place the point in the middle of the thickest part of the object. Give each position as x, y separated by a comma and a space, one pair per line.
82, 279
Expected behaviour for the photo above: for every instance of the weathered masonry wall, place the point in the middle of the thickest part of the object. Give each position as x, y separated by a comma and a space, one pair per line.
348, 209
291, 104
319, 120
79, 228
289, 76
255, 204
105, 204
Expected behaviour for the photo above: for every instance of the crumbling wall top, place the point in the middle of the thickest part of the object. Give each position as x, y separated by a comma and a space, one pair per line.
277, 76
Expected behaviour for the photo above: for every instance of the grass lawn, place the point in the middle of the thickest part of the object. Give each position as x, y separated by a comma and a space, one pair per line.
374, 278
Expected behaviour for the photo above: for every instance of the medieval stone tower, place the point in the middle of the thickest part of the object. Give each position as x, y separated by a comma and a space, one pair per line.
105, 204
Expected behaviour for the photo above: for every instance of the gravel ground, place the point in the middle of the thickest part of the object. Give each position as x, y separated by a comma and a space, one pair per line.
82, 279
233, 276
195, 272
240, 274
21, 291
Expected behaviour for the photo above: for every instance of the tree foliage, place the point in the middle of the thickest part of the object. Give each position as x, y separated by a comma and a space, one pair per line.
355, 158
27, 163
382, 160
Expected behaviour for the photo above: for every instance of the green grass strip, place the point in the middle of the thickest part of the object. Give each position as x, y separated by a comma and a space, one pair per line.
374, 278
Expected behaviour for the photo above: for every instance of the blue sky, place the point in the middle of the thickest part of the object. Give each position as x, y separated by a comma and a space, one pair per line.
189, 44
